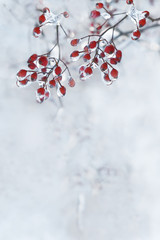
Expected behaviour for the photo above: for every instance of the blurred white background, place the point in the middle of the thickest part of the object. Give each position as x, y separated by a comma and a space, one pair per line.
91, 169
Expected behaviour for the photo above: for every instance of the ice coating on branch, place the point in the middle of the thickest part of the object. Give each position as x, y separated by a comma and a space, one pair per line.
133, 13
55, 19
106, 15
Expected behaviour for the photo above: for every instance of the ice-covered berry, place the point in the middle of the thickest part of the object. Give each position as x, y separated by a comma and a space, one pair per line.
71, 82
46, 10
75, 55
52, 83
86, 57
136, 35
36, 32
129, 1
92, 44
142, 22
114, 73
58, 70
61, 91
32, 58
22, 73
66, 14
119, 55
43, 61
32, 65
109, 49
99, 5
95, 14
41, 91
104, 66
75, 42
42, 19
34, 76
88, 70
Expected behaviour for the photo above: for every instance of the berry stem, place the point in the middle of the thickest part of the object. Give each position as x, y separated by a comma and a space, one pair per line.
154, 19
64, 31
114, 26
121, 33
100, 36
58, 44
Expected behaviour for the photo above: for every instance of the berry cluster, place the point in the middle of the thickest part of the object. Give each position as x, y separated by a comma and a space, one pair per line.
101, 53
100, 17
98, 54
48, 17
138, 17
47, 70
96, 50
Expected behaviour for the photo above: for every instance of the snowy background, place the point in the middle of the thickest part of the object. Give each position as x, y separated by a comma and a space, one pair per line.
89, 170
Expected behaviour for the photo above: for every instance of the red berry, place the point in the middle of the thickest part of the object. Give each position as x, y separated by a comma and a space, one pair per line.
95, 60
113, 61
118, 55
88, 71
47, 94
22, 83
44, 70
66, 14
46, 10
74, 54
32, 65
107, 79
62, 90
129, 1
81, 69
34, 76
142, 22
136, 35
42, 19
44, 79
104, 66
99, 27
92, 44
59, 78
52, 83
109, 49
114, 73
58, 70
146, 13
36, 31
102, 55
87, 57
71, 82
82, 76
22, 73
43, 61
95, 14
41, 91
99, 5
74, 42
86, 49
32, 58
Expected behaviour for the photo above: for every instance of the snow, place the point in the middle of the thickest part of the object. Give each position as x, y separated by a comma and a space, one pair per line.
89, 170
